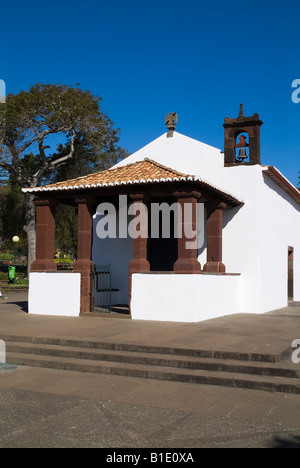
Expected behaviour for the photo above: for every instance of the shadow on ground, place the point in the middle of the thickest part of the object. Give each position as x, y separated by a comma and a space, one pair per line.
291, 442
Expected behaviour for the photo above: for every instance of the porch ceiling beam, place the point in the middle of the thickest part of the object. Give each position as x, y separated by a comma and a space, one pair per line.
168, 188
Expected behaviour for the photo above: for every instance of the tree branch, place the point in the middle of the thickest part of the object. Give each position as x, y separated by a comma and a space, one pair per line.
69, 156
9, 168
38, 174
37, 138
41, 150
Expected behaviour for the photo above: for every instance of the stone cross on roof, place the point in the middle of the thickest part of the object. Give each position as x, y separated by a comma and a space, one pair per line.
171, 120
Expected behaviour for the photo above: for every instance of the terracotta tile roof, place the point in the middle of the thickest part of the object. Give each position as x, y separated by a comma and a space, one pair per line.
146, 171
140, 172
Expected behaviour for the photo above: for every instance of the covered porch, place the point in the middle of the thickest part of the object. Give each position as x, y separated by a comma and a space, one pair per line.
155, 274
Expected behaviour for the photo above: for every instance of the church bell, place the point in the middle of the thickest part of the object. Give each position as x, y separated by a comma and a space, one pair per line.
242, 154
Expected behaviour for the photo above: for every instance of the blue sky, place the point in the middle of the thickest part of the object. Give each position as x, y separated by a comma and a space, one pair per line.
146, 58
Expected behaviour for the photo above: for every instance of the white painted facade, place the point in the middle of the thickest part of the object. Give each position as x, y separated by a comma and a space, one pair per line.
184, 298
183, 154
256, 237
54, 294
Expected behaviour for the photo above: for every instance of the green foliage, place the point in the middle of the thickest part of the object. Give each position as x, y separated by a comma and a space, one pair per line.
84, 161
21, 282
6, 256
12, 214
3, 276
4, 176
66, 231
31, 117
28, 123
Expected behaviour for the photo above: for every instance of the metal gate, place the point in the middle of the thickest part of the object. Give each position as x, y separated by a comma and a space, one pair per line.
101, 288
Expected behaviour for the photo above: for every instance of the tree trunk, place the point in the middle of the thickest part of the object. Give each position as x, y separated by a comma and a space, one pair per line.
30, 230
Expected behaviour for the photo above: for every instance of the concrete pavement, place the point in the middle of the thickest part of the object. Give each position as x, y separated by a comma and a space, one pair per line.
55, 408
271, 333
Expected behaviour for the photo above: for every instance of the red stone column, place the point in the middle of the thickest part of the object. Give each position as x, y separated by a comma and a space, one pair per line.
84, 250
214, 239
45, 236
139, 263
187, 261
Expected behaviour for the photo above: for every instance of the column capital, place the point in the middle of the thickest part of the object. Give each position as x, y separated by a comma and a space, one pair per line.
141, 196
214, 205
222, 206
85, 199
89, 201
187, 194
51, 202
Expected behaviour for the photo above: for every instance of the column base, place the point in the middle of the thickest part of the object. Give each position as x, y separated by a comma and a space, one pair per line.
84, 268
187, 266
214, 267
139, 265
136, 266
43, 265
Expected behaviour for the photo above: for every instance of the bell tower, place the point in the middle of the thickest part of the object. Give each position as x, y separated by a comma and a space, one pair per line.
236, 153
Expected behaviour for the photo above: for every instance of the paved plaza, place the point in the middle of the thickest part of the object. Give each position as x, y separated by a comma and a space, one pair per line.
55, 408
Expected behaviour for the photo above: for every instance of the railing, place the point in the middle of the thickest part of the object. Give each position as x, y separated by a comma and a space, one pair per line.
102, 288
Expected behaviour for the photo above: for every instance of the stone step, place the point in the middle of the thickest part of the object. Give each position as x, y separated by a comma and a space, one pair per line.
204, 377
156, 359
138, 348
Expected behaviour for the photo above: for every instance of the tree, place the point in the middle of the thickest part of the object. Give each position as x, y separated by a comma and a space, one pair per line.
11, 201
4, 176
31, 118
84, 161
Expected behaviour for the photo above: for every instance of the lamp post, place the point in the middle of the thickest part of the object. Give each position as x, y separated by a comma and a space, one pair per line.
15, 240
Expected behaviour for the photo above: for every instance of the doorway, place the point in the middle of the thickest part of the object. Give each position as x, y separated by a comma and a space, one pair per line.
163, 248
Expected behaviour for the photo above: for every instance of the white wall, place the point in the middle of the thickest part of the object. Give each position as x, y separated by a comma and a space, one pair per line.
256, 237
280, 223
184, 298
241, 234
183, 154
54, 294
118, 253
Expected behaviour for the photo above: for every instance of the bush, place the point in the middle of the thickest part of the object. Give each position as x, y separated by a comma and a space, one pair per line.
22, 282
6, 256
64, 260
3, 276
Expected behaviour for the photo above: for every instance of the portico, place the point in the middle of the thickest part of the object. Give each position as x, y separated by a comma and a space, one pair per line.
165, 185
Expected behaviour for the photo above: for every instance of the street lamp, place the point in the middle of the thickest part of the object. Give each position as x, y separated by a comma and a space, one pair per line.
15, 240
